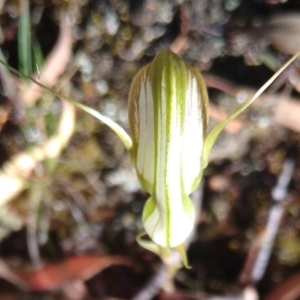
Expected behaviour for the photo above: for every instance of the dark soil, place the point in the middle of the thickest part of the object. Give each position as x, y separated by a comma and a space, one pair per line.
91, 201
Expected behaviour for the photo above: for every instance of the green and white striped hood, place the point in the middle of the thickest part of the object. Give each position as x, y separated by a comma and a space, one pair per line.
168, 118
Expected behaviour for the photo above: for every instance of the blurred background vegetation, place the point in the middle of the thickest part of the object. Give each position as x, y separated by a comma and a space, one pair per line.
67, 188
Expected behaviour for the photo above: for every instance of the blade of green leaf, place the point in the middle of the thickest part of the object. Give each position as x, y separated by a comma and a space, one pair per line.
212, 136
24, 39
38, 60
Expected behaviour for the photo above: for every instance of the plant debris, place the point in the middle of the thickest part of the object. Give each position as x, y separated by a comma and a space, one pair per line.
70, 203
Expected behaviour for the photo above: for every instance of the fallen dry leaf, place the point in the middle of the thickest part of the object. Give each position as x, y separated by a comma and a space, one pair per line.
283, 32
287, 290
55, 276
4, 115
181, 42
286, 113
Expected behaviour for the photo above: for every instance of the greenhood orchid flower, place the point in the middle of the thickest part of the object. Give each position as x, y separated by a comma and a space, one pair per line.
168, 114
169, 147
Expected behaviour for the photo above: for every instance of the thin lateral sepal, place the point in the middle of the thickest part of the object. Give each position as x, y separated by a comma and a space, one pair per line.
212, 136
119, 131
